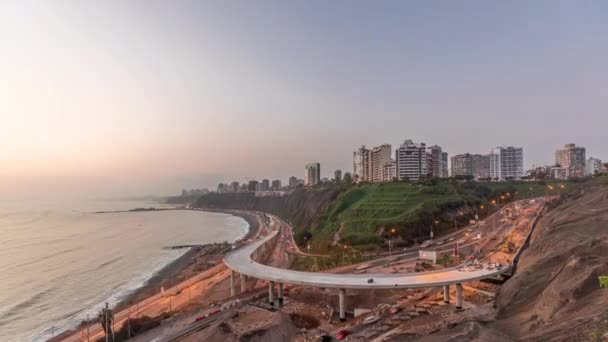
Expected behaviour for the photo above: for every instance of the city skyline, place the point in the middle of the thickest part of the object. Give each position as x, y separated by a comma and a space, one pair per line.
148, 98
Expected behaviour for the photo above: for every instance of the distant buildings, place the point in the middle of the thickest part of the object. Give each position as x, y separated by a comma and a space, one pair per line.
480, 164
265, 185
368, 165
462, 165
436, 162
338, 176
362, 165
507, 163
294, 182
252, 185
312, 175
381, 156
410, 159
235, 187
389, 171
570, 162
593, 166
276, 185
502, 163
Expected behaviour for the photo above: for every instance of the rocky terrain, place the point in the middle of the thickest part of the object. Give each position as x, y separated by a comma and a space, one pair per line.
555, 294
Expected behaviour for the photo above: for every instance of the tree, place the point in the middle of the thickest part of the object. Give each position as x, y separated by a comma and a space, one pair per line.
105, 317
347, 178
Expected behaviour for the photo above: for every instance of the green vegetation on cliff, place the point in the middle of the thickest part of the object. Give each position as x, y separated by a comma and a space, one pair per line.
363, 216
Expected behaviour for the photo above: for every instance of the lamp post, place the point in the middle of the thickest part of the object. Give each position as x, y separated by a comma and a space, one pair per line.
344, 252
390, 241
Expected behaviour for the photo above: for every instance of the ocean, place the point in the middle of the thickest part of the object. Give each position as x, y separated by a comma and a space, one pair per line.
59, 261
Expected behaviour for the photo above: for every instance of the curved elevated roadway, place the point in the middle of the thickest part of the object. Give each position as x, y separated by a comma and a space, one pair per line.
240, 261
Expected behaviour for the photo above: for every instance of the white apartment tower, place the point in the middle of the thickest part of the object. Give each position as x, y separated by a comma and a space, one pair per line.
362, 164
507, 163
592, 166
380, 156
410, 159
312, 176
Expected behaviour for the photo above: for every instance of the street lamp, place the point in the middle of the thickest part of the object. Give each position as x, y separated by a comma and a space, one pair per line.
436, 222
345, 247
390, 241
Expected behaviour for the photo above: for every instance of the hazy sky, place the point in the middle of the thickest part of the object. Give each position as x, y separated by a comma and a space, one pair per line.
142, 97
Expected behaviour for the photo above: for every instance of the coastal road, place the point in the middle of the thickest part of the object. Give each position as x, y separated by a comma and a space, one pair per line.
175, 297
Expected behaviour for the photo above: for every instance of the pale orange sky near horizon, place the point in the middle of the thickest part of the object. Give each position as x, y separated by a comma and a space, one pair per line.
149, 97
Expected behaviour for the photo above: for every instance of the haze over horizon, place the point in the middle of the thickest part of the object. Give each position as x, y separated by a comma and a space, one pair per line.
149, 97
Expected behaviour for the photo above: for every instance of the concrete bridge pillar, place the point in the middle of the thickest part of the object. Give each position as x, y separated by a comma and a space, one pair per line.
243, 283
446, 293
280, 294
458, 296
232, 275
271, 293
342, 304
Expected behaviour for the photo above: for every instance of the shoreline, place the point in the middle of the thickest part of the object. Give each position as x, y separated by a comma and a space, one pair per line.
194, 260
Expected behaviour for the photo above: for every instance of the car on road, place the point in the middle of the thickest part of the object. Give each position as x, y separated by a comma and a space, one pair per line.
370, 280
441, 242
342, 334
426, 244
371, 319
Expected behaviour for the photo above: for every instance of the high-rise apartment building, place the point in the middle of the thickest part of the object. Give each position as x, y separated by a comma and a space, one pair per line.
265, 185
573, 158
462, 165
507, 163
235, 186
480, 166
593, 165
380, 156
276, 185
368, 165
410, 159
252, 185
389, 171
312, 175
437, 162
338, 176
362, 165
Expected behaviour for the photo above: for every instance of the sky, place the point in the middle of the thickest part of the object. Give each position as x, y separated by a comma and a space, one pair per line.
122, 98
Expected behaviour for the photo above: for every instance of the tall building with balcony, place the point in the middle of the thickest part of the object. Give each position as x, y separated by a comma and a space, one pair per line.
276, 185
573, 158
436, 162
592, 166
389, 171
338, 176
410, 159
380, 156
252, 185
312, 175
362, 165
480, 166
462, 165
507, 163
265, 185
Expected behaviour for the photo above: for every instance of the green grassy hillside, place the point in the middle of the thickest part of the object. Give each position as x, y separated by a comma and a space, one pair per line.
364, 215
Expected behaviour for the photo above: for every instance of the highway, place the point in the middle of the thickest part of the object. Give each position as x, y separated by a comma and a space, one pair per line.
240, 261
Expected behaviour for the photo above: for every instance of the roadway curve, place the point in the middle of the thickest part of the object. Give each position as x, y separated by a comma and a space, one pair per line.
240, 261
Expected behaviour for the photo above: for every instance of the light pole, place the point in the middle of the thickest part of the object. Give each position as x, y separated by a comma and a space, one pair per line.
436, 222
494, 204
344, 252
390, 242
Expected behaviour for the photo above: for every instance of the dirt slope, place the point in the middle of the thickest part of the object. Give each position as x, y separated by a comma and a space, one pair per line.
555, 294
